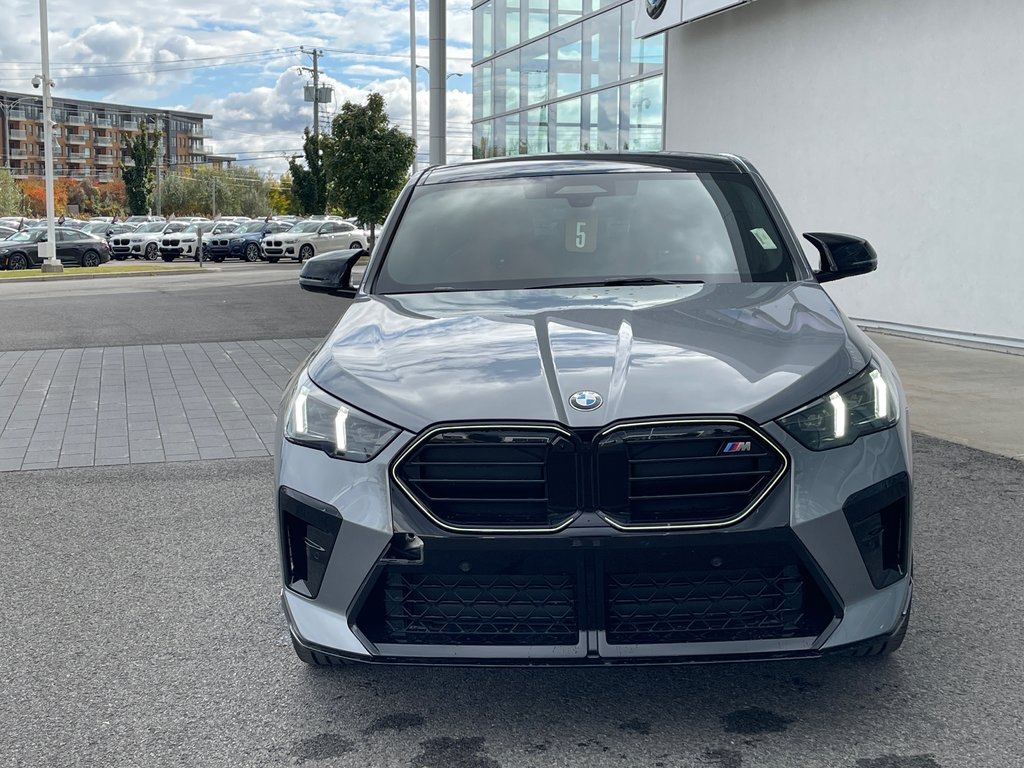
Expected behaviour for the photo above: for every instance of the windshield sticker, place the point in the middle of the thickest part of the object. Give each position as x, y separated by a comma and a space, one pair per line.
581, 234
764, 239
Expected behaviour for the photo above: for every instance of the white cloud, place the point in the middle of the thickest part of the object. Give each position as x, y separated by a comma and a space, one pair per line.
220, 58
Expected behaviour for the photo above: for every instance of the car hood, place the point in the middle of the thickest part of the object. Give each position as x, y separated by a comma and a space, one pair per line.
750, 349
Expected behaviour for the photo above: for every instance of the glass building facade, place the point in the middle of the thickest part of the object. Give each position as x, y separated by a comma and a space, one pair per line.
564, 76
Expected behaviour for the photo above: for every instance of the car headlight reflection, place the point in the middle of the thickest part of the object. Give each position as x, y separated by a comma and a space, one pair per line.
865, 404
317, 420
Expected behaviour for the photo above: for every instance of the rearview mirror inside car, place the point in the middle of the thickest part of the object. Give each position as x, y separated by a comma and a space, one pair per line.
842, 255
332, 272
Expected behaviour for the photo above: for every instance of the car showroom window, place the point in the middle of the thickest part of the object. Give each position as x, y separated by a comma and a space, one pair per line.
544, 231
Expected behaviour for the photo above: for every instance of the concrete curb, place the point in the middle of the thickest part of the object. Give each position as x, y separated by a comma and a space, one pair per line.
146, 273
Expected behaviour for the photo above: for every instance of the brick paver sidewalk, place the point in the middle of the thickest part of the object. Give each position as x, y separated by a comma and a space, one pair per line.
142, 404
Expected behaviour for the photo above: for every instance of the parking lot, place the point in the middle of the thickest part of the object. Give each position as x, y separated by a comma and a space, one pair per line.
144, 628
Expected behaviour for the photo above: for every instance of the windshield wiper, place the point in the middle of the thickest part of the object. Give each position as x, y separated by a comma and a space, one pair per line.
627, 281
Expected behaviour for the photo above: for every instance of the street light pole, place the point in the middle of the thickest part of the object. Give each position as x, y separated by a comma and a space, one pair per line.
438, 82
50, 263
412, 78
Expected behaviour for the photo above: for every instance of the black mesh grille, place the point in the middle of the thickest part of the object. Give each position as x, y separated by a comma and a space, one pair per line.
641, 592
494, 478
488, 609
693, 474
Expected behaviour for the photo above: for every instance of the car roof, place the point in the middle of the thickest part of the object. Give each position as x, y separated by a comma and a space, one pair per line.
582, 162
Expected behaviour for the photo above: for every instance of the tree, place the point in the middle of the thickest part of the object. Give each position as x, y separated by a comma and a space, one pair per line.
35, 196
368, 161
12, 199
235, 191
279, 194
309, 183
138, 177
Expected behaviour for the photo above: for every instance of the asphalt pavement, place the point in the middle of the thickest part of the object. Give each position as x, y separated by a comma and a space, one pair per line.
239, 302
142, 628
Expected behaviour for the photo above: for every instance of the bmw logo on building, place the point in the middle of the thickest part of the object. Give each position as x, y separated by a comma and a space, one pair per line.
586, 400
655, 7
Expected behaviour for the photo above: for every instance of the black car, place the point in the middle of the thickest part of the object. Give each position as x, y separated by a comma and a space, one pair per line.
74, 248
245, 242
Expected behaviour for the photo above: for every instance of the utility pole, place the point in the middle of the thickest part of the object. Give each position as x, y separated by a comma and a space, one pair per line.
315, 71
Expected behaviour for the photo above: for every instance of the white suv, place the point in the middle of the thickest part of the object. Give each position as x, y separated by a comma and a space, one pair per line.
144, 242
308, 238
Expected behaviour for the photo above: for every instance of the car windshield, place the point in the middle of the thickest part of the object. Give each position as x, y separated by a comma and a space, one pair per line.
152, 226
306, 226
28, 236
585, 229
192, 228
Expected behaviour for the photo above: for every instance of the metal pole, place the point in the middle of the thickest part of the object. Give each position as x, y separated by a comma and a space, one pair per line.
438, 82
51, 264
316, 96
412, 78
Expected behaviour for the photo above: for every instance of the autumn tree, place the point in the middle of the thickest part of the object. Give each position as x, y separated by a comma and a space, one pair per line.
138, 177
368, 160
309, 182
12, 199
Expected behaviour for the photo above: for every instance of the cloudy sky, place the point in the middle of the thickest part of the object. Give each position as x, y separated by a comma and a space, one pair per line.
239, 61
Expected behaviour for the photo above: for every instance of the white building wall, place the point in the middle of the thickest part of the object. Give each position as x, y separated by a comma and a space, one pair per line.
901, 121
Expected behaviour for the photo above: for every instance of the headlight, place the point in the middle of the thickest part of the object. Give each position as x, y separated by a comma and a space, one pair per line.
866, 403
236, 240
317, 420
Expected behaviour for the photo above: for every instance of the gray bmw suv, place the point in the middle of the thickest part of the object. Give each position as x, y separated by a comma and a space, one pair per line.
593, 409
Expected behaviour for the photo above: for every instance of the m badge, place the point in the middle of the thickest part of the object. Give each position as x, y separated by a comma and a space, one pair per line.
743, 447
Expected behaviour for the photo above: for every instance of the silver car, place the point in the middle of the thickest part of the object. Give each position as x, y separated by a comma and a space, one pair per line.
606, 413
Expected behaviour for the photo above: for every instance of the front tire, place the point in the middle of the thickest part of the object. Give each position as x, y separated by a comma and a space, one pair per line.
17, 261
151, 252
252, 253
90, 259
355, 245
305, 252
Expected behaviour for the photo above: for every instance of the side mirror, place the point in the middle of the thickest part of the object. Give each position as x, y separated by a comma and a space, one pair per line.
331, 273
842, 255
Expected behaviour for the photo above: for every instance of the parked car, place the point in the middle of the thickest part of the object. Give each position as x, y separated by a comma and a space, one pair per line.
5, 231
142, 219
244, 242
308, 238
74, 248
605, 413
144, 242
187, 242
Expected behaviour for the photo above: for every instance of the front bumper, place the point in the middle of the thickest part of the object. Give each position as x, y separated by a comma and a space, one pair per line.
797, 577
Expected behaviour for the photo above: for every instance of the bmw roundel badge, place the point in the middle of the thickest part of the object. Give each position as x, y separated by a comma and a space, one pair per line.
655, 7
586, 400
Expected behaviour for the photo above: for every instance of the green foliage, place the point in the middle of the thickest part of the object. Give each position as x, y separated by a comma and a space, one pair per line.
309, 182
12, 199
138, 178
235, 191
367, 160
96, 198
280, 194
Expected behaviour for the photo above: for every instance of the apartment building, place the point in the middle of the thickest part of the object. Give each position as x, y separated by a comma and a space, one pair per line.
89, 136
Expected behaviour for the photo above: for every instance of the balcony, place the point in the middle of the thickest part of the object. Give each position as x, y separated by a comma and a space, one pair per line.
19, 114
200, 133
76, 138
19, 153
105, 159
104, 122
103, 141
78, 156
105, 177
79, 120
19, 135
